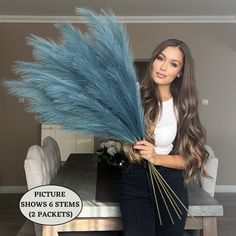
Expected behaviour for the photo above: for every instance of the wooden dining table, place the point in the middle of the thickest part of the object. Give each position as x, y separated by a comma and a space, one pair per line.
98, 186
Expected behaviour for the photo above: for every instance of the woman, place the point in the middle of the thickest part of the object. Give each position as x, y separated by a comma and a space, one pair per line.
174, 143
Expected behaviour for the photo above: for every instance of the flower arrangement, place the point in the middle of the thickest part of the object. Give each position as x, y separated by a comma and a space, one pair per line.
111, 152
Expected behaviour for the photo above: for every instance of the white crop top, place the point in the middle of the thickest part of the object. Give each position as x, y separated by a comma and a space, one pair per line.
166, 128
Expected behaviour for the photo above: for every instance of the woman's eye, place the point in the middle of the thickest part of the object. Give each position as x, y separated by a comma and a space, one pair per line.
159, 58
174, 65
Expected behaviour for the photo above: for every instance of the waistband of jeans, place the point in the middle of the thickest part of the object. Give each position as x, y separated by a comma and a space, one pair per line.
144, 163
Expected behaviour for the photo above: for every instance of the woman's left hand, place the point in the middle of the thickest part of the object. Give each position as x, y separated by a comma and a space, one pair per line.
146, 150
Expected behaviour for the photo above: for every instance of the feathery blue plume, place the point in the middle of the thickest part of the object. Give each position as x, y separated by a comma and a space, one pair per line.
85, 82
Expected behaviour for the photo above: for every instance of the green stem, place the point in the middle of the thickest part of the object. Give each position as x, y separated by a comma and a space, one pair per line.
157, 180
167, 193
154, 192
154, 172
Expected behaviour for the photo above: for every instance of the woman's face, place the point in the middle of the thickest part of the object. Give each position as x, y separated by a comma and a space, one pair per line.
167, 66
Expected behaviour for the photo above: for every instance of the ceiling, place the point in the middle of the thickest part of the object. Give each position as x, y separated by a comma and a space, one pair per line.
120, 7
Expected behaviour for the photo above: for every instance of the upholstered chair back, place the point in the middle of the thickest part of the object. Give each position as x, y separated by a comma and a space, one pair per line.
53, 157
36, 169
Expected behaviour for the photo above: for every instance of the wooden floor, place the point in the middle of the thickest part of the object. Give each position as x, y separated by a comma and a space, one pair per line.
11, 218
227, 223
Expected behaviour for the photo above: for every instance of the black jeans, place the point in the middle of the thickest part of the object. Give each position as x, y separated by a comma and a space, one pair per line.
138, 209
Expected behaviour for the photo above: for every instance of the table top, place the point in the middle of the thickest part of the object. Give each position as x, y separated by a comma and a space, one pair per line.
80, 173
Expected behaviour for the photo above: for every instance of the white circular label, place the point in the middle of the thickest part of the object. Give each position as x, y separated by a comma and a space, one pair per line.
50, 205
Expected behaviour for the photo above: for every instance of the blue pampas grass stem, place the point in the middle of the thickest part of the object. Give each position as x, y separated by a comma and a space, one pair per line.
86, 81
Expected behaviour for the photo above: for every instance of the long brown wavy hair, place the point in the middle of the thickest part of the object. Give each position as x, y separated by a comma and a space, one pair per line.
191, 137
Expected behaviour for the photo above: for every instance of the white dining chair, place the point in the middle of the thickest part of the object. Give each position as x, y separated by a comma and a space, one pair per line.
36, 169
53, 156
37, 173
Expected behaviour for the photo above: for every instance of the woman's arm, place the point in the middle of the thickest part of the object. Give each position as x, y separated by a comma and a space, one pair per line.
147, 152
171, 161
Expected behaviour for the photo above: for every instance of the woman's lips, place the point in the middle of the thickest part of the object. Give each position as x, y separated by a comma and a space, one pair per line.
161, 76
